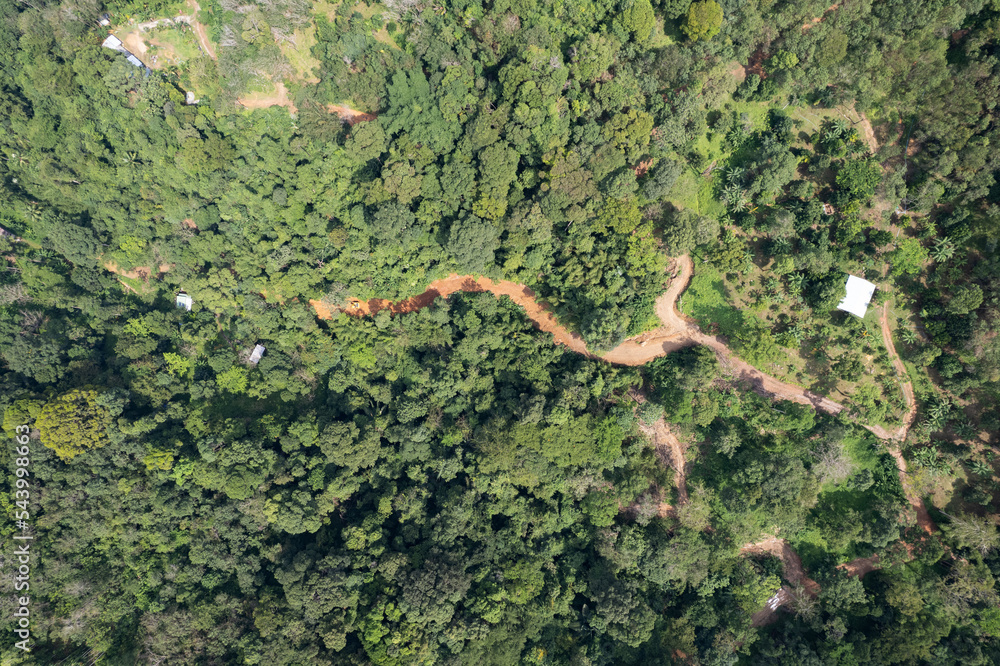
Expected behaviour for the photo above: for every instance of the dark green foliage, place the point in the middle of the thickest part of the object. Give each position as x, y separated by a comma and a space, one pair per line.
446, 486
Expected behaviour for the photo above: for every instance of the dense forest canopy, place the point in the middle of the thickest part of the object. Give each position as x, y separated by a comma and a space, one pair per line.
447, 485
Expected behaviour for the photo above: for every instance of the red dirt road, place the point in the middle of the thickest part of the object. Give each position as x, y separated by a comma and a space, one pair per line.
675, 332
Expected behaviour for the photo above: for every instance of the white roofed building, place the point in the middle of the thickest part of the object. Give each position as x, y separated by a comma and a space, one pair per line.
859, 295
257, 353
113, 42
184, 301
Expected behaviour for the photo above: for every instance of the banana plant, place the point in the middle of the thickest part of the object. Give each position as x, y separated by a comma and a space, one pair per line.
943, 250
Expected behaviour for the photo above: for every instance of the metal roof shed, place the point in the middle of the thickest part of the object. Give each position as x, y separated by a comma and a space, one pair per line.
184, 301
859, 295
258, 352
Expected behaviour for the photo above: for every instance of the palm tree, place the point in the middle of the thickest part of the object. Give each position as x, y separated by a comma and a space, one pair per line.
795, 283
979, 468
908, 335
943, 250
781, 246
965, 429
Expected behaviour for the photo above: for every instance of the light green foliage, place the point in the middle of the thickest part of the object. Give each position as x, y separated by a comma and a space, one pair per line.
908, 257
637, 18
73, 423
860, 178
783, 60
20, 413
176, 364
233, 380
704, 20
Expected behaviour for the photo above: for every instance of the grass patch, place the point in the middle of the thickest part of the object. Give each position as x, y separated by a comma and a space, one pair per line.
861, 451
664, 34
299, 54
812, 548
684, 194
708, 300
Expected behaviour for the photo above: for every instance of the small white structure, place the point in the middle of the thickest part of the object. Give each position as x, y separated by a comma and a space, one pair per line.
105, 19
258, 351
859, 295
189, 98
184, 301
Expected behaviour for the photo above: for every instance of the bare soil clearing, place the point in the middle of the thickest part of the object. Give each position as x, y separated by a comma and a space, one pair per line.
868, 133
861, 566
671, 452
793, 570
819, 19
136, 43
278, 98
349, 115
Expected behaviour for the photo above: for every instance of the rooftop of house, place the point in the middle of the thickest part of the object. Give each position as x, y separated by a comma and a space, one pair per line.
859, 295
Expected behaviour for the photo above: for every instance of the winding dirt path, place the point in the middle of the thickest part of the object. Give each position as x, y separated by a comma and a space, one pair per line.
793, 570
671, 452
819, 19
906, 386
199, 30
675, 332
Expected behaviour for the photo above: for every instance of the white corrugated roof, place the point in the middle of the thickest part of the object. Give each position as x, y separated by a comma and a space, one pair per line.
859, 295
258, 352
113, 42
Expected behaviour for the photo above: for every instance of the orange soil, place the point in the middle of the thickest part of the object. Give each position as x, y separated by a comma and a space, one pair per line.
819, 19
796, 574
671, 451
868, 133
348, 114
523, 296
279, 98
189, 223
861, 566
137, 273
793, 570
134, 43
737, 71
